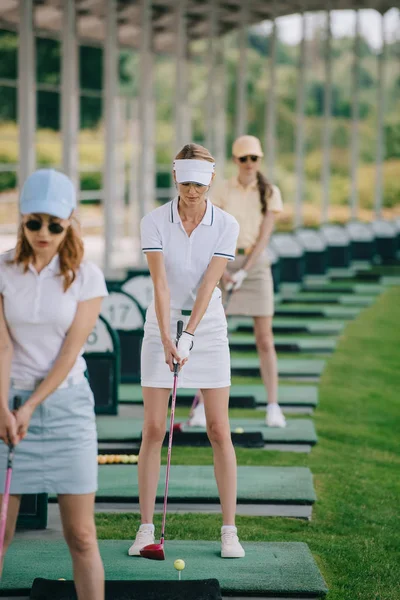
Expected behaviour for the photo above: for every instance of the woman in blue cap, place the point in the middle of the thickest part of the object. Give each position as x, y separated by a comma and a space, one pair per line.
50, 300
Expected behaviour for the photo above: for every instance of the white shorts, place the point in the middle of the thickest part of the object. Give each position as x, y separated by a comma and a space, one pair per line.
209, 362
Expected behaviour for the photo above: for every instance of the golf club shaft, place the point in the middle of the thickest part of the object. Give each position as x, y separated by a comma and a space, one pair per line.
171, 433
7, 486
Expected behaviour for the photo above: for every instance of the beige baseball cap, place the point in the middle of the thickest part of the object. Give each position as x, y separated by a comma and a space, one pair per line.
247, 145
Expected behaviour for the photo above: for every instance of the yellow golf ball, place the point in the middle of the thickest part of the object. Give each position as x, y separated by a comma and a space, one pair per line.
239, 430
62, 579
179, 564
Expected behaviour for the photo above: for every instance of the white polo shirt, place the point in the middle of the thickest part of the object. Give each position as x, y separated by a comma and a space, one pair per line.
187, 257
39, 313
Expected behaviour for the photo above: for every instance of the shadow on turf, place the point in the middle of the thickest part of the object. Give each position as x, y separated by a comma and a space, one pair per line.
205, 589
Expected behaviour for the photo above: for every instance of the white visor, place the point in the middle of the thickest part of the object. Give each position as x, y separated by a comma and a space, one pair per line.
194, 171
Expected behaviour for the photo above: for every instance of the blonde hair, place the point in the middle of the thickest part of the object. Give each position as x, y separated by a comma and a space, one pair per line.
194, 151
70, 252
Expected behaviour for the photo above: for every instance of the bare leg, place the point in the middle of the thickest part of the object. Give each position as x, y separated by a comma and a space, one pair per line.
155, 416
12, 516
267, 354
218, 429
77, 516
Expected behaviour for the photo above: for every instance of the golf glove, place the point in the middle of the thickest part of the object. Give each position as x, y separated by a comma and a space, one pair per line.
185, 345
238, 279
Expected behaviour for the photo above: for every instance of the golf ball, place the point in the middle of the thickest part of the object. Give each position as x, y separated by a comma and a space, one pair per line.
179, 564
62, 579
239, 430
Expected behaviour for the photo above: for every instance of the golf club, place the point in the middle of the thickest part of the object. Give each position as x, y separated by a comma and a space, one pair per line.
156, 551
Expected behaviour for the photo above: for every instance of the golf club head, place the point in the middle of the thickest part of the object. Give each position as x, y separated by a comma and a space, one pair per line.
153, 552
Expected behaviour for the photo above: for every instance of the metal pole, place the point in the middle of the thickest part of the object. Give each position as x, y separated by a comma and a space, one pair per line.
110, 94
146, 113
134, 129
301, 97
26, 92
380, 133
181, 90
355, 118
241, 85
270, 136
220, 112
70, 93
211, 76
326, 141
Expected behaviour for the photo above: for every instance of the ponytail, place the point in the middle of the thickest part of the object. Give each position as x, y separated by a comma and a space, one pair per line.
265, 191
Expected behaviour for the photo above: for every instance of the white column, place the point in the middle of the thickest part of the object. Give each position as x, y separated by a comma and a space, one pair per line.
70, 93
380, 125
355, 117
120, 178
181, 87
134, 133
146, 113
301, 97
110, 86
326, 133
241, 83
270, 134
26, 92
220, 108
210, 102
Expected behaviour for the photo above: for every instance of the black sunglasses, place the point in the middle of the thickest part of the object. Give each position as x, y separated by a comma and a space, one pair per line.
36, 225
243, 159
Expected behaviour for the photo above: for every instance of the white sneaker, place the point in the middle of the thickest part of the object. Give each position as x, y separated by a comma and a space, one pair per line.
274, 417
230, 545
198, 418
144, 537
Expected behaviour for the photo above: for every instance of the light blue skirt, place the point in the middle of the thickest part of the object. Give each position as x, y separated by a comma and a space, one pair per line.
59, 452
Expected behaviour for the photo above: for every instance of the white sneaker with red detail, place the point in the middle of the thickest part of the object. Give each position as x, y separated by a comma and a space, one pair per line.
144, 537
198, 418
230, 545
275, 417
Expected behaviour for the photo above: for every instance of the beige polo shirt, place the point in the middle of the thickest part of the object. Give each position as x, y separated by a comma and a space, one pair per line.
244, 204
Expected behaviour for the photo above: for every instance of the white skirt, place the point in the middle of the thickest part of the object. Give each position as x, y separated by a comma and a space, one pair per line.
209, 362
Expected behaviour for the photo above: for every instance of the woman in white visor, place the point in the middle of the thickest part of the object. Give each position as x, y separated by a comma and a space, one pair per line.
188, 243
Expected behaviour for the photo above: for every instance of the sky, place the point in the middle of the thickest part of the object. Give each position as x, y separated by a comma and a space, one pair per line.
343, 25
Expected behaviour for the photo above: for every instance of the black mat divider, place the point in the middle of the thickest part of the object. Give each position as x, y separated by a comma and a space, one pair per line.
247, 439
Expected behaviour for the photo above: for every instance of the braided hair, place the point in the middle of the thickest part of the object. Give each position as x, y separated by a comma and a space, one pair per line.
265, 189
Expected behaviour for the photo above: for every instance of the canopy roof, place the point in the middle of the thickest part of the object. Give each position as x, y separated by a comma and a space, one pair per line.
91, 16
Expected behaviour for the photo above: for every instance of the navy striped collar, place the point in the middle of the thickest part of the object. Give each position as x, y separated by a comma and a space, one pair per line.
174, 217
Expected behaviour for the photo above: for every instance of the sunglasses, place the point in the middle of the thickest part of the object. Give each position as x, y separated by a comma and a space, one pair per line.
243, 159
36, 225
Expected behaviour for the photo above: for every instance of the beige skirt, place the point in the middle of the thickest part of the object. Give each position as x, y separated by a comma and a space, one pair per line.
255, 297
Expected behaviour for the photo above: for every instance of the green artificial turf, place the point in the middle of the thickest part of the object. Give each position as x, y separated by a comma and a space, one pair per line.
355, 531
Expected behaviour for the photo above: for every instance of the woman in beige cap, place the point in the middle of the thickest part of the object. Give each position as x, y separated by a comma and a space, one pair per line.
254, 202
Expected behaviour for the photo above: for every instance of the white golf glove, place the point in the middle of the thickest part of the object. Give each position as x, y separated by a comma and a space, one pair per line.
185, 345
238, 279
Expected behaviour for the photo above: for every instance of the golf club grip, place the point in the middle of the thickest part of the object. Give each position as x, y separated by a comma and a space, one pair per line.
179, 329
17, 402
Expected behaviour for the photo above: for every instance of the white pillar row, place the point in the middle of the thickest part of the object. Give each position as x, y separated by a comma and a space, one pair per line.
110, 88
220, 108
26, 92
301, 99
70, 93
326, 132
355, 118
241, 83
270, 118
210, 101
120, 176
146, 187
380, 125
181, 85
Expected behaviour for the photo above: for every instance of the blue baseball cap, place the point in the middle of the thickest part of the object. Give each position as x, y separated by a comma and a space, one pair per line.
50, 192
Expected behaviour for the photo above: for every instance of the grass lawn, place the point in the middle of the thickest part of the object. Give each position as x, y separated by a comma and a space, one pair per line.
355, 532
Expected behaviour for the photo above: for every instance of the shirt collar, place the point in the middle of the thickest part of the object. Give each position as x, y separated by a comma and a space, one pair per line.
52, 267
236, 184
208, 218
